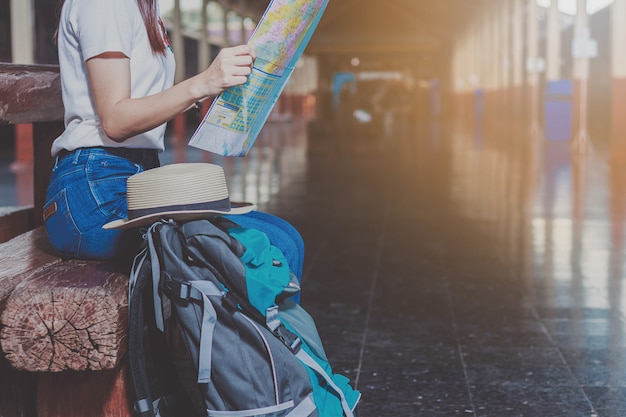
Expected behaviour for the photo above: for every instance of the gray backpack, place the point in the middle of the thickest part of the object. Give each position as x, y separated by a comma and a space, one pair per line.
223, 293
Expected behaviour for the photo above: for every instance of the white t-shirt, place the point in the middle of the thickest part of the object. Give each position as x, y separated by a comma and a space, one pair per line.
89, 28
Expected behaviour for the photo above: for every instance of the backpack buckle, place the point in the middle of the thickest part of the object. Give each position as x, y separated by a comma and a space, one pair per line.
289, 339
295, 345
179, 289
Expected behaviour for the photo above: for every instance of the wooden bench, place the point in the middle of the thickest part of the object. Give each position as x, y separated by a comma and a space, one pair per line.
62, 322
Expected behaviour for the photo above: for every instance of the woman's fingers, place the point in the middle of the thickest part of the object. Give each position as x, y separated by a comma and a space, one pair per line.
235, 64
237, 59
231, 67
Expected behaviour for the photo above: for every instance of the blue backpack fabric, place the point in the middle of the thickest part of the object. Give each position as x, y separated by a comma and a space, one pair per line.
250, 350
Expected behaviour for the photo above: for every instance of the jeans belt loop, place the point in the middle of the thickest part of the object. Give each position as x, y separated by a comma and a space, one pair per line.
76, 156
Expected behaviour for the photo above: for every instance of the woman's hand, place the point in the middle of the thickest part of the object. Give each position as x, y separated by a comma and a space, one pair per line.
231, 67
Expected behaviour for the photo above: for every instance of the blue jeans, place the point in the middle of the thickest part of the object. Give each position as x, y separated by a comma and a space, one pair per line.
87, 190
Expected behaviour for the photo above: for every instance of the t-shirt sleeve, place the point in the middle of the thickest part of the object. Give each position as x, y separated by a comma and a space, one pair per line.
105, 26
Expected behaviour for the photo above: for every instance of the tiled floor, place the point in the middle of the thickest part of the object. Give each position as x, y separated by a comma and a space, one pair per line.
454, 271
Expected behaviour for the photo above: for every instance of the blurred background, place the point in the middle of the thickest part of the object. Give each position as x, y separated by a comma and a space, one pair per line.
458, 171
553, 69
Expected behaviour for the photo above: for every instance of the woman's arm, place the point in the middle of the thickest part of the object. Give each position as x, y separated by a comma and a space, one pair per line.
122, 117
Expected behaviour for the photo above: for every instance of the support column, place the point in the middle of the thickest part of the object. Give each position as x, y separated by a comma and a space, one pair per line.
179, 122
226, 30
534, 65
204, 50
581, 75
23, 31
553, 47
517, 61
23, 52
580, 139
618, 75
242, 7
456, 74
471, 92
179, 45
558, 110
492, 56
504, 24
486, 65
617, 158
204, 58
476, 91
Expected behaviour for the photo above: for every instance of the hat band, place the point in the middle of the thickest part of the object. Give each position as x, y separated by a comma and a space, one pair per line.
219, 205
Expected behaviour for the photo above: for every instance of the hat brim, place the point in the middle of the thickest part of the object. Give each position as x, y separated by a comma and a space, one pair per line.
236, 208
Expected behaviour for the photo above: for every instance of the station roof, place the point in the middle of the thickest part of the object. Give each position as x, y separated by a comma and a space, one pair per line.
383, 35
361, 26
391, 25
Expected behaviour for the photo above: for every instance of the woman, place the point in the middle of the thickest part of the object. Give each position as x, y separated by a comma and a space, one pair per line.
117, 72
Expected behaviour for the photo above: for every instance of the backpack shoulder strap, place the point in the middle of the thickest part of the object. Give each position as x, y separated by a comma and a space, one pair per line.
140, 277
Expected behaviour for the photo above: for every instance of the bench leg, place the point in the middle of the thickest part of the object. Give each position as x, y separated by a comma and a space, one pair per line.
83, 394
17, 391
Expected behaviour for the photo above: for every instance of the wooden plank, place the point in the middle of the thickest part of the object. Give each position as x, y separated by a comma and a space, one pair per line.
84, 394
22, 256
68, 316
14, 221
30, 94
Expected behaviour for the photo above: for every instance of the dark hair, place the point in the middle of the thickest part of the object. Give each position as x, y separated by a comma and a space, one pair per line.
148, 10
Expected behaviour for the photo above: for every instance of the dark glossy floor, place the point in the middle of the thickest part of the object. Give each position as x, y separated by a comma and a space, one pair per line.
454, 272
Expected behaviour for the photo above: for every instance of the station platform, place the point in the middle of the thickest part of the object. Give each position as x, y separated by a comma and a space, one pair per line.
451, 271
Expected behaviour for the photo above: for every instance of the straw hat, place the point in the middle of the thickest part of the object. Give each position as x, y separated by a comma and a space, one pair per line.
184, 191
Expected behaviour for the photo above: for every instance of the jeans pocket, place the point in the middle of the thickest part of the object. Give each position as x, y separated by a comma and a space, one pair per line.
107, 175
60, 226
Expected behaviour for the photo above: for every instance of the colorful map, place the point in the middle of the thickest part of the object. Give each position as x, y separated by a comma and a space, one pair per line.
236, 117
281, 32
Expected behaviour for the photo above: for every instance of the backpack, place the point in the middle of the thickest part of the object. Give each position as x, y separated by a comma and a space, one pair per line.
225, 293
